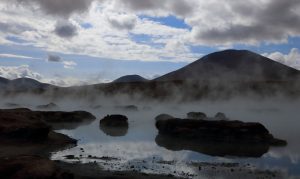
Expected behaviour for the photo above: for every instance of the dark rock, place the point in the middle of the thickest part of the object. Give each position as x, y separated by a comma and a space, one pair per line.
70, 157
48, 106
163, 117
24, 127
220, 116
59, 116
114, 125
114, 121
22, 167
196, 115
21, 124
226, 131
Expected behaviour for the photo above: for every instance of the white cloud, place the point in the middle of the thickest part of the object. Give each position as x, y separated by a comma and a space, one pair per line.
122, 21
16, 56
213, 23
69, 64
291, 59
23, 71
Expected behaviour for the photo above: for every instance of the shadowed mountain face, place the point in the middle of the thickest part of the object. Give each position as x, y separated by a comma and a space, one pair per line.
130, 79
233, 65
22, 84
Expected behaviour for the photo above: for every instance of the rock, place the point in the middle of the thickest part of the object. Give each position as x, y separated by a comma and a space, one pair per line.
196, 115
114, 121
22, 124
22, 167
50, 106
163, 117
128, 108
220, 116
59, 116
23, 127
226, 131
114, 125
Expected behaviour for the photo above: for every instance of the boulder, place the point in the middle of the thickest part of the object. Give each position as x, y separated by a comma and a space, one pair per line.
22, 127
223, 130
196, 115
22, 124
114, 121
163, 117
114, 125
59, 116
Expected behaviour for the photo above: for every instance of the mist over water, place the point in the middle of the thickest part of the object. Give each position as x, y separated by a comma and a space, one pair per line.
137, 147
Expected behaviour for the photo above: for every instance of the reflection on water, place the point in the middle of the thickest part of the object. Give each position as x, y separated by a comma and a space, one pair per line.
140, 148
214, 148
114, 131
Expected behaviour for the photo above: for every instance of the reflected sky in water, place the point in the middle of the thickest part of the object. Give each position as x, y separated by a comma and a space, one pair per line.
139, 149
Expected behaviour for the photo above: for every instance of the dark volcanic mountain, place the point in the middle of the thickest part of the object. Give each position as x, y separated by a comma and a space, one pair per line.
22, 84
233, 65
130, 79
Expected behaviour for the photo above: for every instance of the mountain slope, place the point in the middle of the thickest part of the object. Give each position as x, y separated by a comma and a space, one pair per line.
130, 79
233, 65
22, 84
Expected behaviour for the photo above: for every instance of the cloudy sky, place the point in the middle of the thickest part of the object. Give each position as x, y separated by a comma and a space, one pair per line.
72, 42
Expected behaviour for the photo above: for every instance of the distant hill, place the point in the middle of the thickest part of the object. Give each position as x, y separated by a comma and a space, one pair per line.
22, 84
233, 65
130, 79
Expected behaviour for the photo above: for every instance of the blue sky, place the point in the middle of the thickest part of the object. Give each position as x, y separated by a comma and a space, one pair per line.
94, 41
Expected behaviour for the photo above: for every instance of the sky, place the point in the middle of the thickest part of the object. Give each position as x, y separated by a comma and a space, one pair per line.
77, 42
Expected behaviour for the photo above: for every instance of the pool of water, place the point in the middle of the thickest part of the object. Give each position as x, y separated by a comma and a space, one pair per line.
138, 147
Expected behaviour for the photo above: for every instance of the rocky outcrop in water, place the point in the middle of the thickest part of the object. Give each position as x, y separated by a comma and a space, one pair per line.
196, 115
22, 124
163, 117
114, 125
59, 116
23, 127
221, 130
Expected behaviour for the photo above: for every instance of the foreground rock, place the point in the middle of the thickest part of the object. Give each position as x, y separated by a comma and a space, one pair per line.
22, 124
22, 127
30, 167
114, 125
222, 130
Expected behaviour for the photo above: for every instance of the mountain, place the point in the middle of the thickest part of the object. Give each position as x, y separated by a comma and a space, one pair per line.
130, 79
22, 84
3, 82
233, 65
